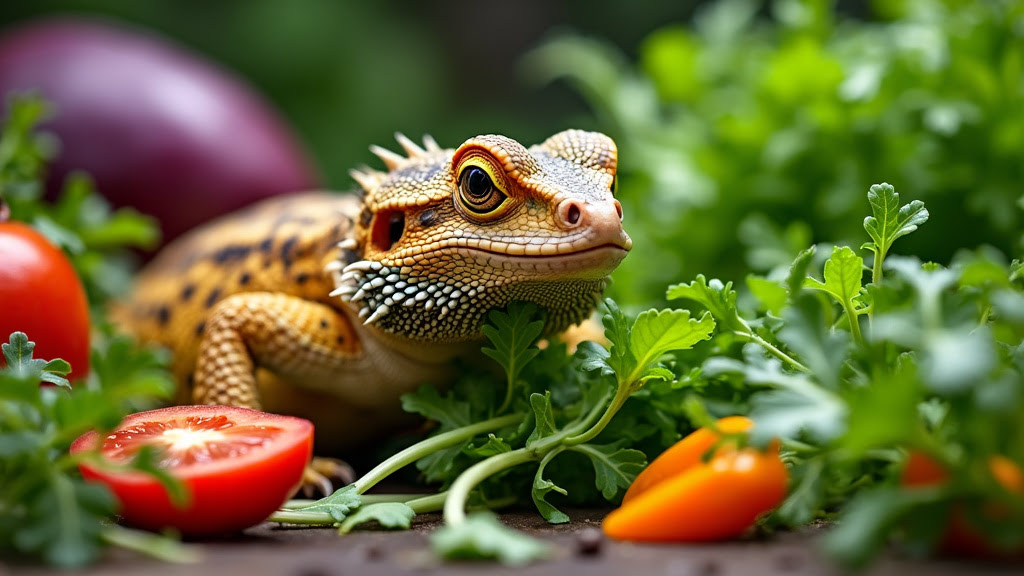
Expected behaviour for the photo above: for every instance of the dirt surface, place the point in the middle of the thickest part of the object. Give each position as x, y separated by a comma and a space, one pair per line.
270, 549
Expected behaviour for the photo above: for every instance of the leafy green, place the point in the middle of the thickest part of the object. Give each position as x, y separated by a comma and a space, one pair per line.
46, 509
338, 505
615, 468
482, 537
752, 127
512, 335
387, 514
890, 220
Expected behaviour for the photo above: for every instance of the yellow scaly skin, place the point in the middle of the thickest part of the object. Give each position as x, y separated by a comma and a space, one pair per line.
330, 307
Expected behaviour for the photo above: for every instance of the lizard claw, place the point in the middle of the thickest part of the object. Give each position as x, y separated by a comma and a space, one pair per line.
315, 484
323, 474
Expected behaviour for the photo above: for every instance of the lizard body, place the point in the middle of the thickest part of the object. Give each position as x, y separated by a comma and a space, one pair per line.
330, 306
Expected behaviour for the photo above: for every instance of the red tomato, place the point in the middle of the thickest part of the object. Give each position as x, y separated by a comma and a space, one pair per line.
41, 295
683, 499
961, 537
239, 466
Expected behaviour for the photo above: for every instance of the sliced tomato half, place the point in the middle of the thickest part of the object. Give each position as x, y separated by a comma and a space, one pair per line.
239, 465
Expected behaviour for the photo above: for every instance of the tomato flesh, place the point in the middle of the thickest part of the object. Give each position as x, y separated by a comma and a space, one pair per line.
239, 466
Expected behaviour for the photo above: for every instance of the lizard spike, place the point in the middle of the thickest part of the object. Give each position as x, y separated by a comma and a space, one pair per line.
379, 313
411, 148
334, 266
359, 266
337, 291
430, 143
348, 244
366, 178
390, 159
359, 295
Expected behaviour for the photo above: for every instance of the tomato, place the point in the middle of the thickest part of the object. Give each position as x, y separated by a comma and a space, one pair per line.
239, 466
684, 454
684, 499
41, 295
961, 538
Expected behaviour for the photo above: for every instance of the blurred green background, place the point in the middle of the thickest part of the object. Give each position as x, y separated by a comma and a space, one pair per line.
747, 130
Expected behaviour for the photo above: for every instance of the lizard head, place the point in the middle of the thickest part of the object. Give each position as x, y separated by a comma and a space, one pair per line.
447, 235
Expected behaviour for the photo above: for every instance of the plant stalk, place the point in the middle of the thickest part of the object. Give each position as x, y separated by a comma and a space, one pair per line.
458, 494
429, 446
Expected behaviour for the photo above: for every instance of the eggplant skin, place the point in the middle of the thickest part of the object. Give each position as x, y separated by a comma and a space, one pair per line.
157, 127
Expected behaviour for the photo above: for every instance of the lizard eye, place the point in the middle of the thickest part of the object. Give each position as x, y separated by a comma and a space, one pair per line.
478, 193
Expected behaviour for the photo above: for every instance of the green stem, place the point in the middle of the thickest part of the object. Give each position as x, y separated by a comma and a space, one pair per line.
876, 267
431, 445
621, 395
775, 351
509, 388
431, 503
851, 315
153, 545
458, 494
302, 517
364, 499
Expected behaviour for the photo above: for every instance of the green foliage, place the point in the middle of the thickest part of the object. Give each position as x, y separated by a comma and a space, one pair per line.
743, 138
80, 221
482, 537
46, 509
387, 514
935, 372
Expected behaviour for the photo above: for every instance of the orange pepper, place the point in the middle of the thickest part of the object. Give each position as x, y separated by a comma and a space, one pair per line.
683, 499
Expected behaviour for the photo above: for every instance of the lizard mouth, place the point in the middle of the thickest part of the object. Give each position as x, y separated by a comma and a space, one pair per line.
587, 263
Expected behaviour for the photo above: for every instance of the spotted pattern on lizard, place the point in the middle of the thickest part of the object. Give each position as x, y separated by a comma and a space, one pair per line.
331, 306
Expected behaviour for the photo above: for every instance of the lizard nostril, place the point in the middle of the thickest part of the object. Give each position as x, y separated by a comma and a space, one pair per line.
570, 213
618, 209
573, 216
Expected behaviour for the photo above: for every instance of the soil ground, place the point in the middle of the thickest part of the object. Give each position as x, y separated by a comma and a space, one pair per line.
270, 549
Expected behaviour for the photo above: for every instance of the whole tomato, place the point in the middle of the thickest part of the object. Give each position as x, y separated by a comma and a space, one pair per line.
41, 295
961, 537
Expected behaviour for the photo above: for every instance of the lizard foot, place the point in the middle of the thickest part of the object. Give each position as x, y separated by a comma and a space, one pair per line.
322, 474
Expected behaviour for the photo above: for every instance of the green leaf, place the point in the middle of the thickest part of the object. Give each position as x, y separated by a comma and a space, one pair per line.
616, 329
482, 537
718, 298
512, 335
615, 468
796, 404
447, 410
843, 273
864, 529
394, 515
798, 271
339, 504
541, 488
890, 220
541, 404
492, 447
657, 332
772, 295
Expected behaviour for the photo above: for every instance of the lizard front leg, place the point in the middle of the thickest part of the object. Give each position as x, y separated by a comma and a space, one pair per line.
295, 339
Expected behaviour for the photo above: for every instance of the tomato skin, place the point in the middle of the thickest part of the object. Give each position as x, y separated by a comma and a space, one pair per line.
961, 538
684, 454
41, 295
705, 501
225, 496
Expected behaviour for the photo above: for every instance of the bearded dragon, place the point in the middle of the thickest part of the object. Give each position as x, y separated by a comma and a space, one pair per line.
331, 306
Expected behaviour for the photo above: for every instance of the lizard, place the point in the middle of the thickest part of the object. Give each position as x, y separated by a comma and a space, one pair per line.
330, 306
